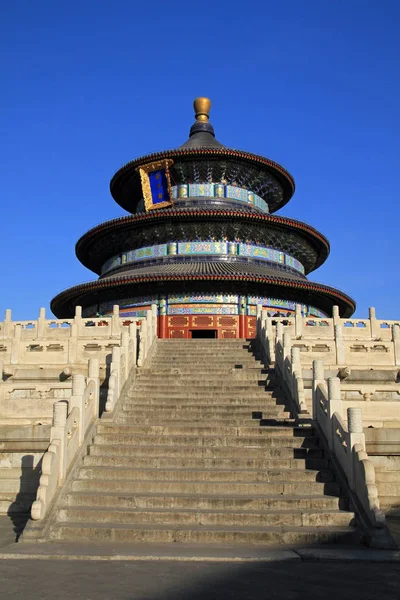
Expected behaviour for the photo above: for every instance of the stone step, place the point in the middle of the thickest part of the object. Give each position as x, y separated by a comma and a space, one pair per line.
229, 386
222, 410
204, 341
196, 364
24, 445
232, 387
205, 355
199, 399
204, 348
196, 413
203, 362
389, 488
22, 474
168, 517
211, 342
238, 375
255, 410
20, 459
17, 486
263, 502
159, 462
209, 441
12, 502
200, 451
193, 429
205, 487
193, 420
388, 477
205, 344
206, 475
205, 535
215, 369
385, 463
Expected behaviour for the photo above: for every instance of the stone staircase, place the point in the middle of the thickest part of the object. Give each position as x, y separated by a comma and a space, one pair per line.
203, 450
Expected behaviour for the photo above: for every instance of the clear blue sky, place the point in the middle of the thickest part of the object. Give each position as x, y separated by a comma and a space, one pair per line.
88, 86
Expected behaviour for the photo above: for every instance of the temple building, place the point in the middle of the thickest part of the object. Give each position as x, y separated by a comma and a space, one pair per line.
202, 242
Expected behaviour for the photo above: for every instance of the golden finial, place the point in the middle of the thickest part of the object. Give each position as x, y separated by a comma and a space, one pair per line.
202, 109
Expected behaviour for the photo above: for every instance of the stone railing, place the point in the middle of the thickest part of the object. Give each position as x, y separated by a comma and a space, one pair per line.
133, 352
359, 342
340, 342
60, 341
288, 367
346, 444
71, 422
277, 348
370, 386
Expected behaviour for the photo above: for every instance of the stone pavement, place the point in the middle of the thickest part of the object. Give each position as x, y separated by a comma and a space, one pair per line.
187, 572
176, 580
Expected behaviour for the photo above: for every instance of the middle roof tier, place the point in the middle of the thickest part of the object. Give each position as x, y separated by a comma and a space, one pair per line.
293, 238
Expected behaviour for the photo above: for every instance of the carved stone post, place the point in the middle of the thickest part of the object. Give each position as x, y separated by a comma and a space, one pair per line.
270, 339
115, 322
78, 388
335, 315
339, 345
334, 405
279, 331
60, 410
73, 344
335, 400
356, 436
258, 321
125, 352
132, 345
142, 343
287, 344
41, 324
149, 340
7, 330
296, 368
355, 426
373, 323
94, 375
298, 322
116, 368
318, 377
154, 320
15, 345
396, 343
78, 320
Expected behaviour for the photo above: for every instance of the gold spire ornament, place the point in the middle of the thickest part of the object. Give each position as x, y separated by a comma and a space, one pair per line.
202, 109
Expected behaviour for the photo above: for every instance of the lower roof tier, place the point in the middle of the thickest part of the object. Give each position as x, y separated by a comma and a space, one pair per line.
297, 239
216, 277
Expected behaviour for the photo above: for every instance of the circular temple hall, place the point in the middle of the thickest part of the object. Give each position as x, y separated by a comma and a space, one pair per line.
202, 242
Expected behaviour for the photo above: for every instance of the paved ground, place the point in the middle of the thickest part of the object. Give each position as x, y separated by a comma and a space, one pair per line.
182, 572
52, 571
162, 580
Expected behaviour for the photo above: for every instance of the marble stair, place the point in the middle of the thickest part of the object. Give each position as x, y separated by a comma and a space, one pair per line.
203, 450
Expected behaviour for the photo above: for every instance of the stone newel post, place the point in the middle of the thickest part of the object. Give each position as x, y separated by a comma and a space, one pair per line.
318, 377
60, 410
396, 344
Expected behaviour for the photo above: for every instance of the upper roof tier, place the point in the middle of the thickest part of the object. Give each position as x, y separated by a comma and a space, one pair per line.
203, 159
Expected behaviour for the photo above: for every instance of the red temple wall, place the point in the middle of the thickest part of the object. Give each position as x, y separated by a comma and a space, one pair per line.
225, 326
